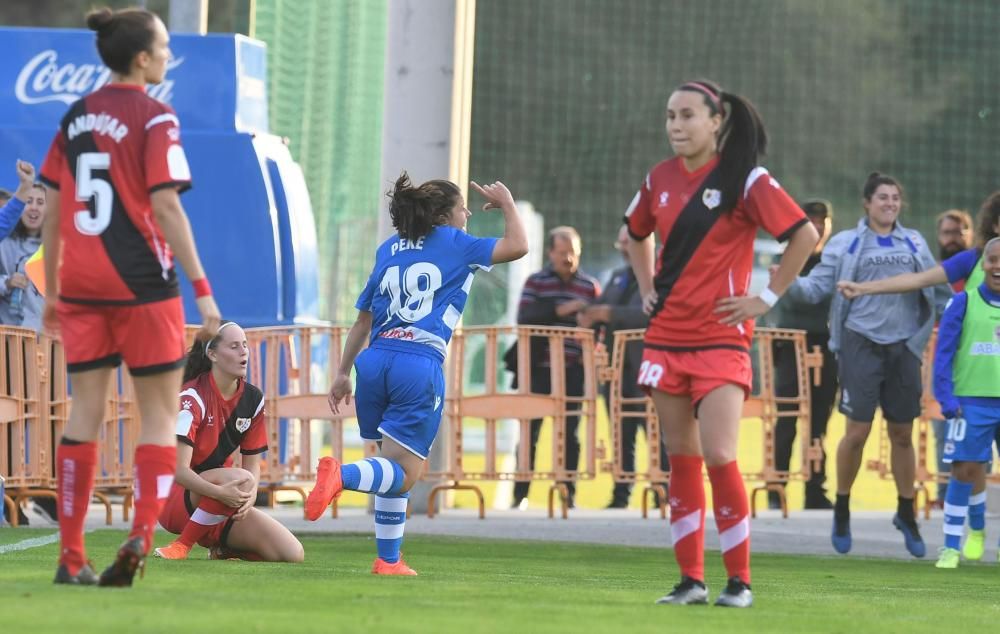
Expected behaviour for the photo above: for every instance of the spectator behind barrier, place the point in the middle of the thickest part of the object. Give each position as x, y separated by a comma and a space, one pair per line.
553, 297
620, 308
799, 315
20, 302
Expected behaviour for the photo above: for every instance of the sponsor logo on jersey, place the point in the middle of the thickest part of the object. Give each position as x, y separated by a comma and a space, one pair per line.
397, 333
43, 78
664, 197
985, 348
711, 198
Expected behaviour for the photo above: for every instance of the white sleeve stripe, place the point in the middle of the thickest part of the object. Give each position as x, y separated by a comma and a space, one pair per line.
260, 406
184, 420
649, 184
752, 177
632, 205
197, 399
162, 118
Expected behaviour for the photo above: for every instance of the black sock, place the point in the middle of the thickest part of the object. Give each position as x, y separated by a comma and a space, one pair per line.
904, 509
842, 507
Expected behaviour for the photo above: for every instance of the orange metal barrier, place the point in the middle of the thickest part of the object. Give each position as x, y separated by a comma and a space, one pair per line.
762, 403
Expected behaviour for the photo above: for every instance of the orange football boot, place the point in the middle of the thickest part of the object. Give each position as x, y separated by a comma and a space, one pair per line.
329, 486
382, 567
174, 550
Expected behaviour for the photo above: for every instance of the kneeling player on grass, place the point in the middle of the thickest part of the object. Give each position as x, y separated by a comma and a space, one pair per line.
967, 385
409, 308
211, 503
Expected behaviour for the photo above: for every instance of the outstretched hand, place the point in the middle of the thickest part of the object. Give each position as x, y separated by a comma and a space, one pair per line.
497, 195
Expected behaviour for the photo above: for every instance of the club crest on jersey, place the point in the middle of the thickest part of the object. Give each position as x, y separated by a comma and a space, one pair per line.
711, 198
242, 424
664, 197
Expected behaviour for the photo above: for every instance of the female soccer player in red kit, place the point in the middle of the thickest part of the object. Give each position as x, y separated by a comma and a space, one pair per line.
706, 204
211, 502
113, 223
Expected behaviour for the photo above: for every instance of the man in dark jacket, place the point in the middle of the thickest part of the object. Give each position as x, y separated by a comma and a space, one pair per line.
813, 318
553, 297
620, 308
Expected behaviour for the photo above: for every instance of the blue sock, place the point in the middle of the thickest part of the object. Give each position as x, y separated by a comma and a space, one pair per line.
390, 519
977, 511
956, 507
373, 475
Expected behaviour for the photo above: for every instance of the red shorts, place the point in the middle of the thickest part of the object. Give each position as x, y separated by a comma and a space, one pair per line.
694, 373
177, 511
148, 337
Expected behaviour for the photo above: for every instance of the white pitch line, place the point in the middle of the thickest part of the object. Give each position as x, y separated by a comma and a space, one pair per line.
25, 544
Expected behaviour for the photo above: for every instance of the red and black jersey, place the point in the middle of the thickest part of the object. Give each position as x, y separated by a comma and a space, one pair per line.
705, 255
112, 150
216, 426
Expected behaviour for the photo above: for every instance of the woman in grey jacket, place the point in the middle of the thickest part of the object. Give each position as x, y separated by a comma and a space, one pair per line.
879, 341
20, 301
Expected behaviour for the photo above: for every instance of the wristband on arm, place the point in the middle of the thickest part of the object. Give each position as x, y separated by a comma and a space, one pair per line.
201, 287
769, 297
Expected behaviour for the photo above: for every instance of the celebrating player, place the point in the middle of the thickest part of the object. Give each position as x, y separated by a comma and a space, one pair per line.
112, 219
965, 270
706, 204
211, 502
409, 308
879, 343
966, 367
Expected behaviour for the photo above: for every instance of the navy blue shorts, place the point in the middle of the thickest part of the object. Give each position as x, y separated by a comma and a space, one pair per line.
399, 396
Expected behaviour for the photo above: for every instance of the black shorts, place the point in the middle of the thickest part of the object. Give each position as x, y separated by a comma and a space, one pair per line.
873, 374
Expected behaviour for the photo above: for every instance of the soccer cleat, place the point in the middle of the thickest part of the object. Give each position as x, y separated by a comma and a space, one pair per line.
736, 595
84, 577
974, 545
947, 558
130, 559
688, 592
329, 486
383, 567
911, 536
174, 550
221, 553
841, 535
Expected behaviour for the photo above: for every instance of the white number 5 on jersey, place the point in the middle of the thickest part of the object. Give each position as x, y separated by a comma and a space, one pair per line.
87, 187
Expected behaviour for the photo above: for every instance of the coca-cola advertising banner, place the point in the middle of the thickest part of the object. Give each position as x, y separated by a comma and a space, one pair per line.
215, 82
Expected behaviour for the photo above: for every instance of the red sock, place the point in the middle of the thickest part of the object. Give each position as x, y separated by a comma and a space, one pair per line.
687, 514
729, 497
75, 467
154, 475
209, 514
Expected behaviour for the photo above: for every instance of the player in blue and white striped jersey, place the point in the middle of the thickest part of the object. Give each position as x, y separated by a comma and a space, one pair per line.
412, 302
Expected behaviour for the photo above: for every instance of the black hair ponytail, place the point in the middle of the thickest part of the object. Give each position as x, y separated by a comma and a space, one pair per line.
742, 143
415, 211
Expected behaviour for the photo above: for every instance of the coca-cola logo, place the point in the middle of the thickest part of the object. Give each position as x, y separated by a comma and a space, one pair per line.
43, 79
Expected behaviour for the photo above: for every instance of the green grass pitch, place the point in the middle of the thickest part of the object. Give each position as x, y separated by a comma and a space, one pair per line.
469, 586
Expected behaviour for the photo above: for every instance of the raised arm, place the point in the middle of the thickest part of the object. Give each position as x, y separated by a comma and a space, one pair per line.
514, 243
